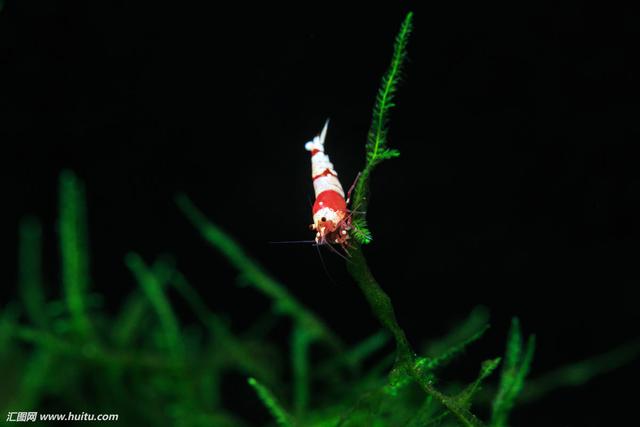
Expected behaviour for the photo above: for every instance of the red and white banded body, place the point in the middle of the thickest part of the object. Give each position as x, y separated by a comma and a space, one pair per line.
331, 220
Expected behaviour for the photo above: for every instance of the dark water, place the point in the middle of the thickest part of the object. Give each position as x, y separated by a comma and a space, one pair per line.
517, 188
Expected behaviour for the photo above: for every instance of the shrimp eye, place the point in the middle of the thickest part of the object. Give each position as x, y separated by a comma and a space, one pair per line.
323, 219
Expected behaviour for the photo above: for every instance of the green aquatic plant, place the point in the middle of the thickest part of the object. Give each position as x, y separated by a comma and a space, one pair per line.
408, 366
516, 367
376, 148
143, 362
147, 366
74, 250
279, 413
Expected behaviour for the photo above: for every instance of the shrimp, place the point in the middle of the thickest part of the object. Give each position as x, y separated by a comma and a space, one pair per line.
331, 218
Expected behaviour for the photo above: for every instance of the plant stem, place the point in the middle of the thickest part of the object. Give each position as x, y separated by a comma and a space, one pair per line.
73, 250
405, 357
380, 303
255, 275
462, 414
300, 343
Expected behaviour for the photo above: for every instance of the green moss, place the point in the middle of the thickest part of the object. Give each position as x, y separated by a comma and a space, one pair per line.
376, 148
516, 367
279, 414
72, 229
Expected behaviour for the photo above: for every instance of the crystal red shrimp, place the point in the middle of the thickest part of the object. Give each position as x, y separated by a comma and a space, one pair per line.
331, 219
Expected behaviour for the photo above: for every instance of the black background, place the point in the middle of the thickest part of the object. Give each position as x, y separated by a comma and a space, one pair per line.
518, 185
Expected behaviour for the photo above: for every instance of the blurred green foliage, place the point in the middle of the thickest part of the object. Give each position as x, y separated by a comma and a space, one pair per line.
68, 354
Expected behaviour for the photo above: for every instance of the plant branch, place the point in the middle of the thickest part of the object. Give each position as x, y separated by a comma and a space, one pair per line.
376, 147
379, 301
407, 367
74, 250
254, 274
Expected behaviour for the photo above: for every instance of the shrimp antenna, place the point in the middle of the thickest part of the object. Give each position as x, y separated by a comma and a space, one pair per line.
292, 241
335, 251
324, 266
